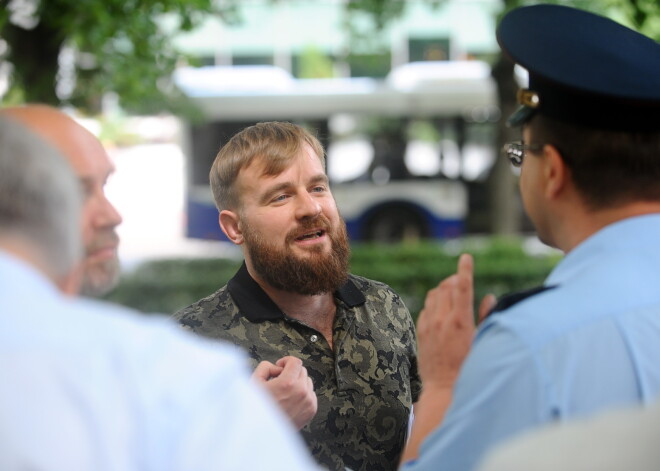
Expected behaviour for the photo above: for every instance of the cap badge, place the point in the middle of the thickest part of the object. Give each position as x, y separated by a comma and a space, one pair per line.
528, 98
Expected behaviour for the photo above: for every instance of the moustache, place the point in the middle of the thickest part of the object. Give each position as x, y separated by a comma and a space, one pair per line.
103, 239
319, 222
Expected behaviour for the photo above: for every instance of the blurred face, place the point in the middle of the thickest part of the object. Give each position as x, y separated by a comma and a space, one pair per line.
294, 238
100, 219
90, 162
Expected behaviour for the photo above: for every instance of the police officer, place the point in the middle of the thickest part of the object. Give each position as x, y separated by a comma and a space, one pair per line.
589, 339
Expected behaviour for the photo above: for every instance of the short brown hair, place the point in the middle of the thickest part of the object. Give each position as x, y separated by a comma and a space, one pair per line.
275, 143
608, 168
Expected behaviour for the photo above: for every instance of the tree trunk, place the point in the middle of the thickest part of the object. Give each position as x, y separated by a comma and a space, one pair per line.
505, 207
34, 54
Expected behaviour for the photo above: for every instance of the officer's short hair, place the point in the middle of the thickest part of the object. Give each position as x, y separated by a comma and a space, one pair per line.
608, 168
276, 144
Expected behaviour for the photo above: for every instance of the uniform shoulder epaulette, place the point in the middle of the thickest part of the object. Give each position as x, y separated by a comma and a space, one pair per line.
506, 301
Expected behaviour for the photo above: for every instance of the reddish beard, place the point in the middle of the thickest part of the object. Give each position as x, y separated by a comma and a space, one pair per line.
316, 273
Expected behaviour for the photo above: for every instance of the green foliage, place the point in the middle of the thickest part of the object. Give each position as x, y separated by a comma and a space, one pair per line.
501, 265
123, 46
165, 286
423, 130
381, 12
375, 65
118, 45
314, 64
640, 15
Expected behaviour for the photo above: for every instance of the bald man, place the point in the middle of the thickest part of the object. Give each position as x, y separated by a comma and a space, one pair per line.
92, 166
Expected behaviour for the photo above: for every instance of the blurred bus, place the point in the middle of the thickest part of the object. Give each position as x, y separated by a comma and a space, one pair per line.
400, 151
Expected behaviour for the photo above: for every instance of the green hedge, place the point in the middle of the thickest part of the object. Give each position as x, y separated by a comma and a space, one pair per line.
501, 266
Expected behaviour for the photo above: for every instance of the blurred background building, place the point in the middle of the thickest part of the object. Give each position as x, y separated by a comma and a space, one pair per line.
322, 39
401, 93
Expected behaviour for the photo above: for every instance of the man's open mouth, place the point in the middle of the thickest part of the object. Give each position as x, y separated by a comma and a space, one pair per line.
311, 235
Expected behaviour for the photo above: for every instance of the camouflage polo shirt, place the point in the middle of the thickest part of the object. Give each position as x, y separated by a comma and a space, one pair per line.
365, 388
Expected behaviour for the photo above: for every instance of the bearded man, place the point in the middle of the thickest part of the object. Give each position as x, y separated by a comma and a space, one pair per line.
304, 320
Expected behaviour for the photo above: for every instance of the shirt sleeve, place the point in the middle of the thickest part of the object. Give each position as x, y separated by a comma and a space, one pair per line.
500, 392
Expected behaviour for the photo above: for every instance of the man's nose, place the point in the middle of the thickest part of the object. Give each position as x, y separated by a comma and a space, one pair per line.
308, 206
106, 214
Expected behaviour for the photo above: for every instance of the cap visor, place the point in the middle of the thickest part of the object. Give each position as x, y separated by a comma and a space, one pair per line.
520, 116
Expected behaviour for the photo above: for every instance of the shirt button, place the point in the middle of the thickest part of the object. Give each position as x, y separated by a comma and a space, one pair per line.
313, 338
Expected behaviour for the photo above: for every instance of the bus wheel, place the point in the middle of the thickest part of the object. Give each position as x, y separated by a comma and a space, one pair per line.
395, 224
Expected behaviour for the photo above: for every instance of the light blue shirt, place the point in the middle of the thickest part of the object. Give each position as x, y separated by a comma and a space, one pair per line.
623, 439
590, 343
90, 386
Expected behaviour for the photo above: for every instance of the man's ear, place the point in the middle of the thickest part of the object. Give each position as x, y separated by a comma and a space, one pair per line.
69, 284
555, 172
229, 223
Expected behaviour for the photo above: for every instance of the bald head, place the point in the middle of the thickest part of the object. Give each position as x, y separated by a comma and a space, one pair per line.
62, 131
92, 166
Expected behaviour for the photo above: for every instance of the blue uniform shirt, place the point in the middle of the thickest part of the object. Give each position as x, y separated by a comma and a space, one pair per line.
589, 342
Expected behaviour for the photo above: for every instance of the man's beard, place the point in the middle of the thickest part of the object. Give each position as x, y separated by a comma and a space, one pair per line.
314, 274
100, 277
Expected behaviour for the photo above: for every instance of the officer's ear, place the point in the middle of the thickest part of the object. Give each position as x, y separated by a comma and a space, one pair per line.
230, 225
556, 173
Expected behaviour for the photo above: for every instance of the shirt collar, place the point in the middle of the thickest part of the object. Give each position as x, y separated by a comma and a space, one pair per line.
637, 232
16, 272
254, 303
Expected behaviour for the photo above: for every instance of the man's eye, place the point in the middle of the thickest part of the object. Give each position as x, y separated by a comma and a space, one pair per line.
319, 189
87, 190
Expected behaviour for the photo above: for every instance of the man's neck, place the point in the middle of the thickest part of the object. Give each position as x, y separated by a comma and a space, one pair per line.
317, 311
594, 220
34, 256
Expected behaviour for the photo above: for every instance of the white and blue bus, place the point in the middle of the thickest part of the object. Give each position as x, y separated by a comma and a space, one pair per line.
389, 184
